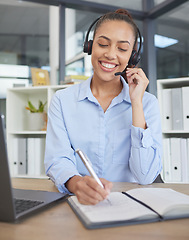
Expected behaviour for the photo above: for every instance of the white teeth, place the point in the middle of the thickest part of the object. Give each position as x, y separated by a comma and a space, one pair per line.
108, 65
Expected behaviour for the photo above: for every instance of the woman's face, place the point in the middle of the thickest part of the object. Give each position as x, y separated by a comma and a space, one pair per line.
112, 48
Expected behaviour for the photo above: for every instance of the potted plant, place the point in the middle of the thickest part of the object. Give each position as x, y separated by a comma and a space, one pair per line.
37, 117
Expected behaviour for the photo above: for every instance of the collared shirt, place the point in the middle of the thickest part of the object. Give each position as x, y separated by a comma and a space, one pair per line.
119, 152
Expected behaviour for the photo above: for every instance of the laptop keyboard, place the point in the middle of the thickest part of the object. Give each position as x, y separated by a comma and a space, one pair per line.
23, 205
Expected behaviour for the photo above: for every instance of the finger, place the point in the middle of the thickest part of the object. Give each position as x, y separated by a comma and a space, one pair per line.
91, 188
138, 71
131, 76
92, 193
130, 71
82, 201
86, 199
97, 188
107, 185
135, 78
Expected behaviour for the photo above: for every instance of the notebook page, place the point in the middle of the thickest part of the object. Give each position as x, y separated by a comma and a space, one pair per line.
163, 200
118, 207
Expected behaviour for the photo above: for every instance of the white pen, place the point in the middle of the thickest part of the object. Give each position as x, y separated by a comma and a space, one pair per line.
88, 165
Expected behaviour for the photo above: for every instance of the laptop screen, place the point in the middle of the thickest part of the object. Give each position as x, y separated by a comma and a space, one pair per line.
6, 200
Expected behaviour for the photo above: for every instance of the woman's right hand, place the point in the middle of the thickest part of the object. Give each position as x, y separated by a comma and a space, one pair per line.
87, 190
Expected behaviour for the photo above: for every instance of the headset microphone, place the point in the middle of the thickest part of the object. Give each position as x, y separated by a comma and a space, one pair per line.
119, 73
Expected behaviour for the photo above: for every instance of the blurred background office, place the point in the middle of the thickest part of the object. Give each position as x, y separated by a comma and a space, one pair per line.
50, 34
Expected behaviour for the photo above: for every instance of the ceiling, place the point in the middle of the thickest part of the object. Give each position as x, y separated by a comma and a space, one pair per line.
26, 15
25, 18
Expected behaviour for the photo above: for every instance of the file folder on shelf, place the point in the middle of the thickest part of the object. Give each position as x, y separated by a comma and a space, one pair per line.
184, 159
167, 160
167, 109
175, 159
185, 100
177, 112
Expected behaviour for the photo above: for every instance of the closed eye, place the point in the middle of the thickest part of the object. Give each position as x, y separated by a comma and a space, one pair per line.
102, 45
121, 49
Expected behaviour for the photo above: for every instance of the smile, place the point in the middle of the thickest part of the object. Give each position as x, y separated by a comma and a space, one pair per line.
108, 65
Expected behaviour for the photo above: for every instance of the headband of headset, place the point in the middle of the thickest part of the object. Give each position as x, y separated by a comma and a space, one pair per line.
135, 55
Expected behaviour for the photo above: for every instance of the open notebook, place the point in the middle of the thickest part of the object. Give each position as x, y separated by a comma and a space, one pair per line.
18, 203
140, 205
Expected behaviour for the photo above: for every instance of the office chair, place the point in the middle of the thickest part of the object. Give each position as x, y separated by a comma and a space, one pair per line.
158, 179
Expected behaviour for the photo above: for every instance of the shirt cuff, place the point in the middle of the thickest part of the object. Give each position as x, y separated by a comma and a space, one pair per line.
61, 186
141, 137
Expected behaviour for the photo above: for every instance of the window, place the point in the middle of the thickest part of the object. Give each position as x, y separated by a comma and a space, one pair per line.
24, 34
173, 60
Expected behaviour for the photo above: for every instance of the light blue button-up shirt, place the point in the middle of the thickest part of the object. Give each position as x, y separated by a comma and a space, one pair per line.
118, 151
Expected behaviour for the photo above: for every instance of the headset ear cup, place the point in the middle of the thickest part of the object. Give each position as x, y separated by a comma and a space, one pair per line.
134, 59
90, 45
87, 48
137, 59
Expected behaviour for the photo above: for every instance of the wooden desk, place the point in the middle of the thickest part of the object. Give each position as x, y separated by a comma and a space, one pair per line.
59, 222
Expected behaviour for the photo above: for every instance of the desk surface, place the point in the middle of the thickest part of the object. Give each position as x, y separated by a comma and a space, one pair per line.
59, 221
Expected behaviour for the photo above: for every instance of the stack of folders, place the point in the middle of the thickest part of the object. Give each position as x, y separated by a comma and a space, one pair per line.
176, 159
27, 156
175, 108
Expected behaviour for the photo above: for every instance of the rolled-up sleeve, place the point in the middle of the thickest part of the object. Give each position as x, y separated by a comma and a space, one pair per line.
60, 162
146, 146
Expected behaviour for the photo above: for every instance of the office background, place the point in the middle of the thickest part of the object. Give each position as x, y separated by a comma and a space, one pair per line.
30, 34
49, 35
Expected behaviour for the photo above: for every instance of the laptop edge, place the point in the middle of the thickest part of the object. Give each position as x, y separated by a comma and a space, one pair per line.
7, 208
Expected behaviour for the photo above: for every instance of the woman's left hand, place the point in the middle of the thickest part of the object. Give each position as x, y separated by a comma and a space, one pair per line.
137, 82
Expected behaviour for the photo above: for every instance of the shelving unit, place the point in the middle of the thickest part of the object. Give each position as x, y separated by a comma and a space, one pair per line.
18, 133
175, 161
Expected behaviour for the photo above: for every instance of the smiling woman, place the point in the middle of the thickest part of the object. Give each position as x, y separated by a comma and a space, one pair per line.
112, 50
111, 118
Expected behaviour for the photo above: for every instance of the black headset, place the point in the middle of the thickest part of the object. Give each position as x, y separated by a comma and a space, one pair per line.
135, 55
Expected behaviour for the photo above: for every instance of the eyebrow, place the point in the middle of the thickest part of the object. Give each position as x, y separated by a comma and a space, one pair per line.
122, 41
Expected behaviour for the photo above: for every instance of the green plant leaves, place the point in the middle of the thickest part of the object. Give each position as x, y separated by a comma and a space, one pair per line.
33, 109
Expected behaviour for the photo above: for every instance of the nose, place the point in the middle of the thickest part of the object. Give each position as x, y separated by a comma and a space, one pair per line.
110, 53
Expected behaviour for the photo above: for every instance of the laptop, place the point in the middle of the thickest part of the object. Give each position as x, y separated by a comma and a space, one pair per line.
15, 204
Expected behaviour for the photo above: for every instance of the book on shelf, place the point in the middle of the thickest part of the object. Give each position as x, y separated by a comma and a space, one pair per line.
140, 205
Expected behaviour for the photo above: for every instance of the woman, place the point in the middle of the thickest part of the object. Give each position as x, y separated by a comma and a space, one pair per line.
116, 123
